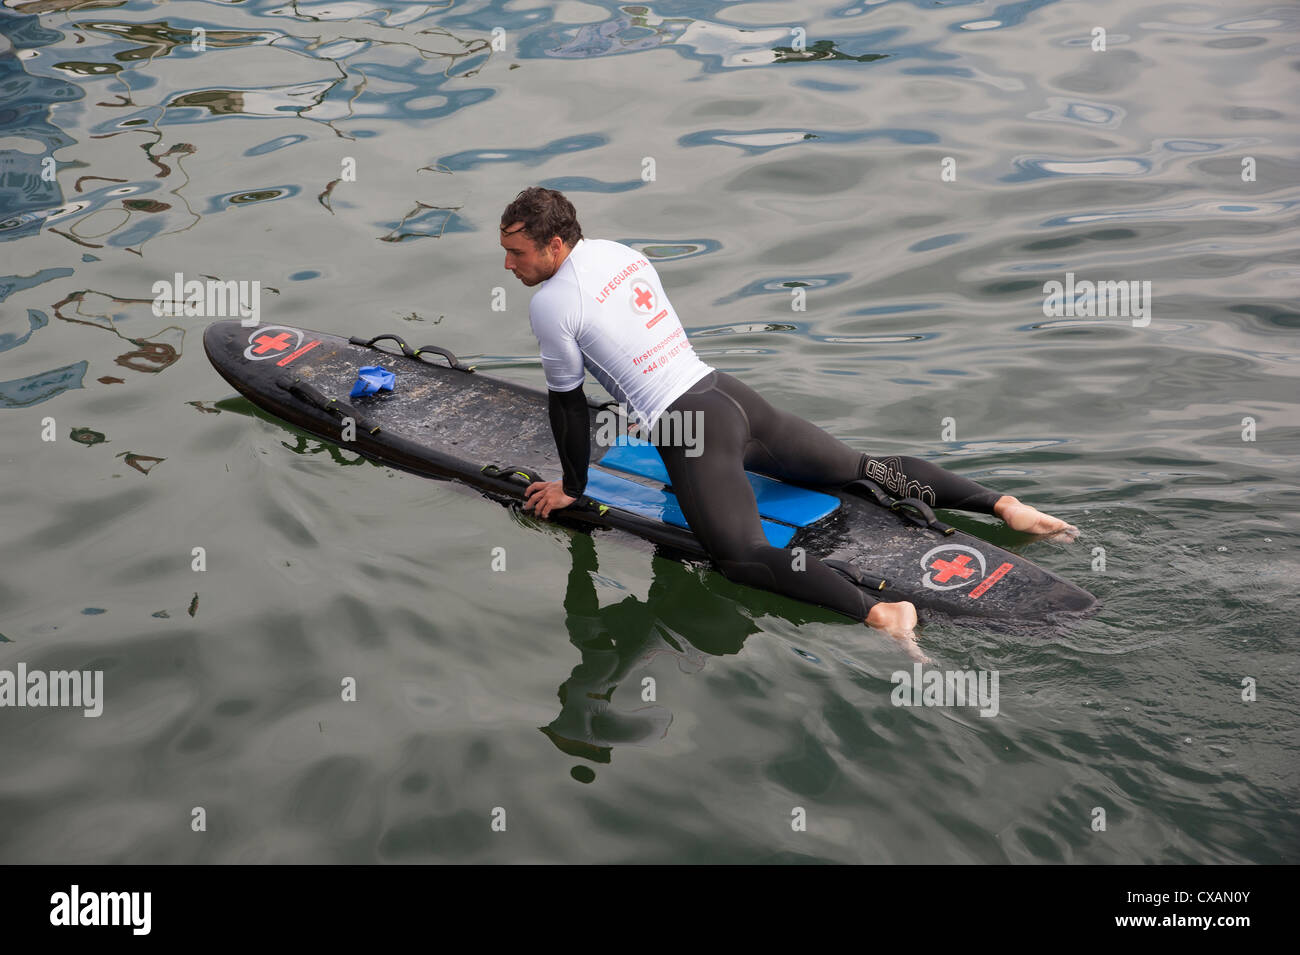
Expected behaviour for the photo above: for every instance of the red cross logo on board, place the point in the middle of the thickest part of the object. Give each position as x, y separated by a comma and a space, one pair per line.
272, 341
952, 566
945, 570
643, 297
265, 343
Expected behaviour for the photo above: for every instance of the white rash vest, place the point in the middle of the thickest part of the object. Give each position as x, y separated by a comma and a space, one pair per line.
605, 309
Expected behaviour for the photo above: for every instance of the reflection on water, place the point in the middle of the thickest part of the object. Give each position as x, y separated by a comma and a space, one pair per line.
42, 386
856, 213
151, 354
26, 186
122, 78
618, 642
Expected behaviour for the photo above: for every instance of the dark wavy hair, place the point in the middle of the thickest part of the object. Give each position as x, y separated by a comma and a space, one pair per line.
544, 213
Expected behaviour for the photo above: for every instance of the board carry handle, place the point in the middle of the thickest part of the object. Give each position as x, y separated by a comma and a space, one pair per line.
318, 399
870, 582
510, 472
410, 352
924, 516
909, 508
867, 581
452, 360
583, 504
865, 487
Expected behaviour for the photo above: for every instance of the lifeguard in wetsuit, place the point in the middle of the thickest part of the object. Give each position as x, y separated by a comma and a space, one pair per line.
602, 308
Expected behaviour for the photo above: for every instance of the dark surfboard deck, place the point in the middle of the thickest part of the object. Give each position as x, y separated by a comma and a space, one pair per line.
444, 420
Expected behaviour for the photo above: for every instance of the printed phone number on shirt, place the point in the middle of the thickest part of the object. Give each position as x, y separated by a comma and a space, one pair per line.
661, 360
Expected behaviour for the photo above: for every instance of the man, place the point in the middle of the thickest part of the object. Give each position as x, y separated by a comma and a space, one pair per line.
602, 307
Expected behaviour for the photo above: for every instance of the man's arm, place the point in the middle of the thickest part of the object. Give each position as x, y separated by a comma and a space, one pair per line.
571, 426
555, 327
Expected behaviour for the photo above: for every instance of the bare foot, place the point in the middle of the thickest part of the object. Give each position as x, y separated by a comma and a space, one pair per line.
1030, 520
899, 621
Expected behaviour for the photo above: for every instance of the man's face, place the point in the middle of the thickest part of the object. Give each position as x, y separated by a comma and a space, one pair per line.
530, 264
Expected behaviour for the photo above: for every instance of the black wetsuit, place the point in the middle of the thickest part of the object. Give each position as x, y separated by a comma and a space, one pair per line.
741, 431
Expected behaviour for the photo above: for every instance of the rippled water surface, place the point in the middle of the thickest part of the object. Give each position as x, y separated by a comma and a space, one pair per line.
916, 171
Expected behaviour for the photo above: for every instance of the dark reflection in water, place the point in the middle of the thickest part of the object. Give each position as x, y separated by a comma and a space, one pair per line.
619, 640
822, 50
148, 355
304, 443
61, 6
87, 436
160, 38
78, 68
144, 463
257, 195
217, 102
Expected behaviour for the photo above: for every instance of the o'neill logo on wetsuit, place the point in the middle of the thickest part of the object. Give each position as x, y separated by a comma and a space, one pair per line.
277, 341
948, 567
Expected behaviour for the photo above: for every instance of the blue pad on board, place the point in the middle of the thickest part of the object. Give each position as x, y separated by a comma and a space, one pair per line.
777, 500
658, 504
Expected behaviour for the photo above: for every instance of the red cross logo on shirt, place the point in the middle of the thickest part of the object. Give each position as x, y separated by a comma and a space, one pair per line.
643, 297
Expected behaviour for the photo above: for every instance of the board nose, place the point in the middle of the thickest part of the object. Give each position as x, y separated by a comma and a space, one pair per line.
226, 339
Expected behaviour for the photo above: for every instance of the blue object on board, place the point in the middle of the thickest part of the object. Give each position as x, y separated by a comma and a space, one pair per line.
660, 505
795, 505
372, 378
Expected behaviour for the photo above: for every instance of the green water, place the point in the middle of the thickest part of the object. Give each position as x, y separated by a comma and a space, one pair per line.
519, 694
